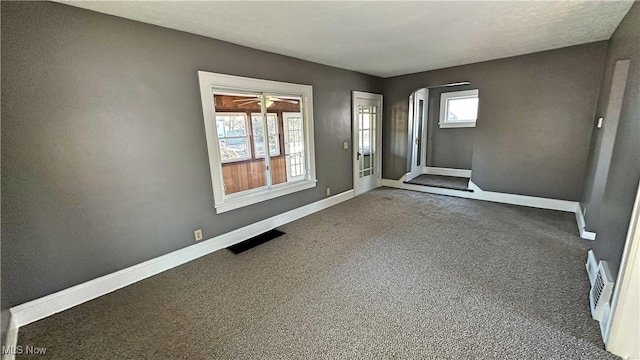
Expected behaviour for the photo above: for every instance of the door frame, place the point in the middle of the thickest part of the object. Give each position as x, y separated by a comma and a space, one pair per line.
607, 142
415, 170
355, 96
622, 328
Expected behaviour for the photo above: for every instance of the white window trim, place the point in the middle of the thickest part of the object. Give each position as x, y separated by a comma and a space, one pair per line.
444, 103
211, 83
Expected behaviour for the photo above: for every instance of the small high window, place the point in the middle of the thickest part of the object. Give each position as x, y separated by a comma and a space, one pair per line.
459, 109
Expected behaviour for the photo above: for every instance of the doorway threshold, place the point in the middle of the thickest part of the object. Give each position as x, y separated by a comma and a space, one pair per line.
441, 181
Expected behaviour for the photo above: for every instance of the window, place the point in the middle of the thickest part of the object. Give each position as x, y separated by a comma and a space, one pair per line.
459, 109
257, 121
233, 136
243, 172
294, 143
364, 130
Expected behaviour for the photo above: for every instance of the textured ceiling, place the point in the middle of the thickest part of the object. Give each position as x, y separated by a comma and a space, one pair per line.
384, 38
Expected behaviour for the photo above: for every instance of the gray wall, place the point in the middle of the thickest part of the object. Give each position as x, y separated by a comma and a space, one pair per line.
609, 215
448, 147
534, 120
104, 157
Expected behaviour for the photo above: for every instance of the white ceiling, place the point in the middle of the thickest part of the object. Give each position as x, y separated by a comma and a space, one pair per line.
384, 38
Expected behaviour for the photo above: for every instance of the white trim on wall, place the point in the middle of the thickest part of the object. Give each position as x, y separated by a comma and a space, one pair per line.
418, 138
587, 235
524, 200
51, 304
427, 189
11, 341
431, 170
479, 194
622, 329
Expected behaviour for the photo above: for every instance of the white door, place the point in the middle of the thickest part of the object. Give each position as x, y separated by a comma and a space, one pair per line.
419, 111
294, 145
367, 141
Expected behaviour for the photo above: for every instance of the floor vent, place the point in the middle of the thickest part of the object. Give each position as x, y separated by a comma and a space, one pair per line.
255, 241
600, 294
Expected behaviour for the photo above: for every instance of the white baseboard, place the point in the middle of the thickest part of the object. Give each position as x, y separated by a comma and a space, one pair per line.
428, 189
40, 308
524, 200
587, 235
446, 171
479, 194
11, 341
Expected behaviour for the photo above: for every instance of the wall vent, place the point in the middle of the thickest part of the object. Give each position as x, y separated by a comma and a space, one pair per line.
600, 293
592, 266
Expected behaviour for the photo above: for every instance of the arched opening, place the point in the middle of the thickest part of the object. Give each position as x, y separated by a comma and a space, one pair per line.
441, 130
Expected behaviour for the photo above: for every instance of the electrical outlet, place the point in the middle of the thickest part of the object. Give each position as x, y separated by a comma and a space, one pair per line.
198, 234
328, 191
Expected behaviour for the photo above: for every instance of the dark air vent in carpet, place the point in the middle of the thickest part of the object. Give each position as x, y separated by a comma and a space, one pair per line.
255, 241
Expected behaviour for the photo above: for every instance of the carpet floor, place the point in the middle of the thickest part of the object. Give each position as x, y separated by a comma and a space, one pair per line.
440, 181
389, 274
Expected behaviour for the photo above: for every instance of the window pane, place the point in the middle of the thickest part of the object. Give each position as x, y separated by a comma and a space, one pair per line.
234, 149
258, 132
232, 137
231, 125
257, 123
462, 109
220, 127
274, 146
258, 143
365, 119
240, 171
272, 122
294, 138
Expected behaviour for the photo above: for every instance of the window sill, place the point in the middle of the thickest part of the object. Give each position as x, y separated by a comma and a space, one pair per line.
235, 201
457, 125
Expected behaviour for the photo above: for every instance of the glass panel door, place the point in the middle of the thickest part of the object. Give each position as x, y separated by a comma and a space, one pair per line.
420, 119
367, 171
367, 137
